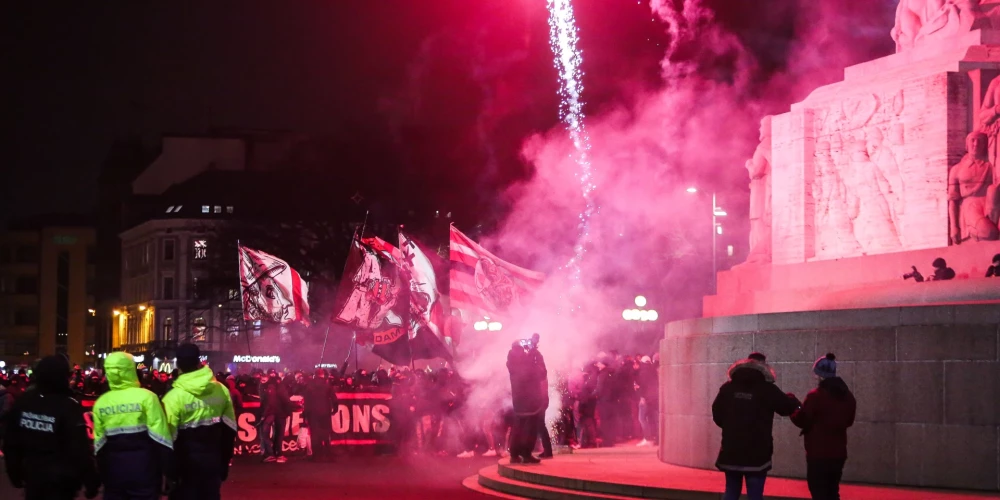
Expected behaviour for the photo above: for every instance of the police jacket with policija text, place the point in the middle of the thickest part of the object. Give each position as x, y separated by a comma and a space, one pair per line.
131, 439
202, 422
46, 441
744, 409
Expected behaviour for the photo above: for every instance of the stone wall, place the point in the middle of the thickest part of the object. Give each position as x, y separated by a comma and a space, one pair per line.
927, 382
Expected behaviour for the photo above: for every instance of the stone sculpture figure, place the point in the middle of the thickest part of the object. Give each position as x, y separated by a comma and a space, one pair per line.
972, 195
989, 119
834, 233
759, 167
918, 20
866, 203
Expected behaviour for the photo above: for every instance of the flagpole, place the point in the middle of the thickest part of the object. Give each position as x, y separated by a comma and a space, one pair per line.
364, 224
239, 263
323, 351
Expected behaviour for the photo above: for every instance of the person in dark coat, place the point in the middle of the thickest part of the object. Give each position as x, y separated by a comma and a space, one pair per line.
526, 378
320, 400
648, 388
744, 409
824, 418
543, 389
275, 408
47, 450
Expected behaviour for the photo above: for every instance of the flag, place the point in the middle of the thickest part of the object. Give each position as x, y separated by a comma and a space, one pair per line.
271, 289
426, 312
374, 299
482, 285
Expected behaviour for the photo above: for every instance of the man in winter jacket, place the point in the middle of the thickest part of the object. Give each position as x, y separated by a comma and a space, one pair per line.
47, 450
527, 376
824, 418
202, 422
131, 440
320, 400
276, 406
744, 409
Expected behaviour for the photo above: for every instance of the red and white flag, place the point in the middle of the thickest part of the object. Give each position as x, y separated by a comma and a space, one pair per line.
271, 290
426, 312
482, 284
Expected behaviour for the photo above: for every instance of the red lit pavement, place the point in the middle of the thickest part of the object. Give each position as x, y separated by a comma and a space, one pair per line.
633, 473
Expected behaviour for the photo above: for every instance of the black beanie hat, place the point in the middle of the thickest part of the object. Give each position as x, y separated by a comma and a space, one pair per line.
52, 374
188, 357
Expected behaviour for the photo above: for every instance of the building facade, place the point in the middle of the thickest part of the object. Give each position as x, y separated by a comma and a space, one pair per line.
46, 293
163, 304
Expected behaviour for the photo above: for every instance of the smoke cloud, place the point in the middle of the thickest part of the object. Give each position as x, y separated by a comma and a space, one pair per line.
720, 76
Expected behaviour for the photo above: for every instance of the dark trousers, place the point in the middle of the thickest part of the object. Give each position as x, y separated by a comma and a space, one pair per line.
543, 434
734, 485
823, 477
588, 432
610, 423
131, 494
523, 435
198, 487
50, 491
320, 440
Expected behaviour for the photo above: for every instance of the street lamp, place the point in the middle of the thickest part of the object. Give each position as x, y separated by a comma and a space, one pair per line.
716, 230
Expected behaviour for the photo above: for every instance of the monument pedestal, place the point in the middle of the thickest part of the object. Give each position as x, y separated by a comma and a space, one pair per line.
926, 379
849, 189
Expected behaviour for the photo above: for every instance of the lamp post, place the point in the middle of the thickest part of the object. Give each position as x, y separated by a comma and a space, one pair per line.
716, 230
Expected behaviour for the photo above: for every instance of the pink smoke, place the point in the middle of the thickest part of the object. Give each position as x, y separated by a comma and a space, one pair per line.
698, 128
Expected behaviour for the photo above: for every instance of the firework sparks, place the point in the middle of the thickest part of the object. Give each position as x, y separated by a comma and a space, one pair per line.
567, 60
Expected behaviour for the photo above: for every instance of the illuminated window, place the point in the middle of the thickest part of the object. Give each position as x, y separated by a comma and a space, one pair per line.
198, 330
729, 250
168, 328
229, 209
200, 249
217, 209
205, 209
234, 293
170, 209
233, 327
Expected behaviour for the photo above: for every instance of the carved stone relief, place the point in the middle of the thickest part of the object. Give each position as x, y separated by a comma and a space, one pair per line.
858, 187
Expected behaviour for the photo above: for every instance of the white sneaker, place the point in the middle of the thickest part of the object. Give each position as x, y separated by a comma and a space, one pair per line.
490, 453
643, 443
281, 460
270, 459
466, 454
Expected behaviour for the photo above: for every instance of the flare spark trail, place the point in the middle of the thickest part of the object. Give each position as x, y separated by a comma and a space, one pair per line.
563, 39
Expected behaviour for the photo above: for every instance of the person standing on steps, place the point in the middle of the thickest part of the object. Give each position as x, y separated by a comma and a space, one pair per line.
527, 377
744, 409
824, 417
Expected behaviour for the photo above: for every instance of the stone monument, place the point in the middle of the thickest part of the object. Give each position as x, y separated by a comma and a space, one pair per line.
889, 169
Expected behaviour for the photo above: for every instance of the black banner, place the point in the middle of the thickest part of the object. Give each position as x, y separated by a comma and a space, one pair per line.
360, 419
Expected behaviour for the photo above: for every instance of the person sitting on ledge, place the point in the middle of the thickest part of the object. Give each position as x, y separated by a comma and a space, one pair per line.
994, 270
941, 270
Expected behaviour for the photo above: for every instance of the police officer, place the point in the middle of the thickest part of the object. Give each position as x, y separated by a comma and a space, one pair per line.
201, 419
47, 450
133, 445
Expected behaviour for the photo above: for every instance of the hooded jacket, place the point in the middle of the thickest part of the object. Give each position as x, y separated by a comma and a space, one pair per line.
744, 409
131, 439
46, 442
202, 422
528, 380
824, 418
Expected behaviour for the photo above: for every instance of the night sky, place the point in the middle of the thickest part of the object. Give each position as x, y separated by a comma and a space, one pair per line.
413, 76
